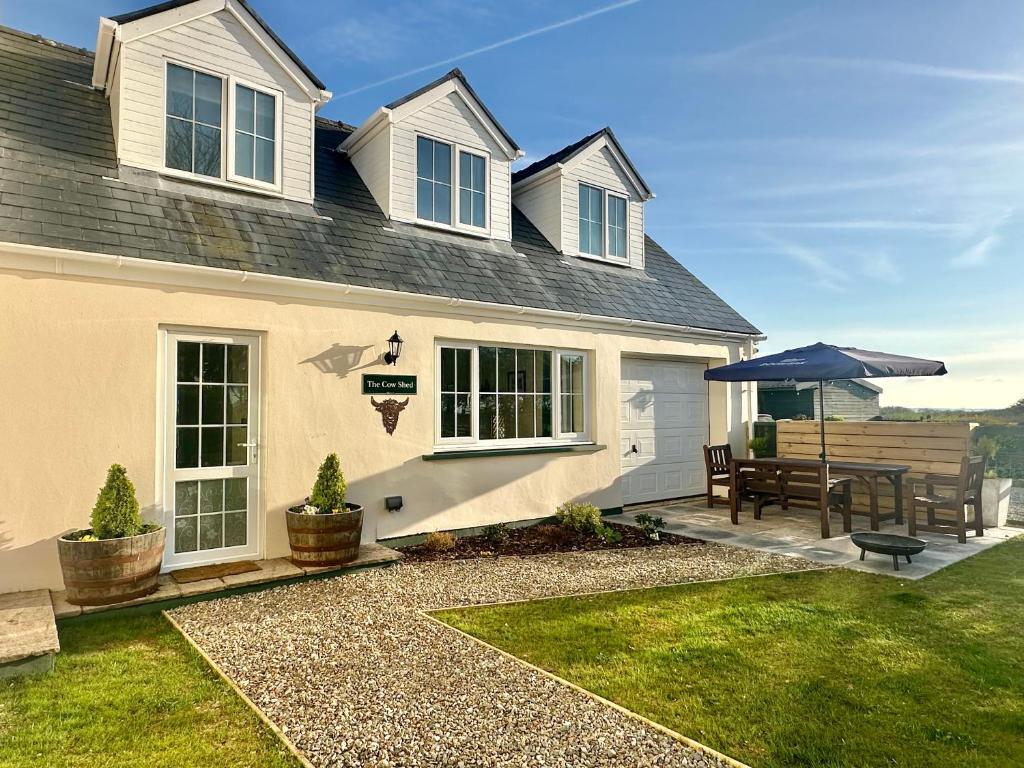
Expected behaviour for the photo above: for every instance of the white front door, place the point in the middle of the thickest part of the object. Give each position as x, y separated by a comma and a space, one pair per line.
664, 426
211, 456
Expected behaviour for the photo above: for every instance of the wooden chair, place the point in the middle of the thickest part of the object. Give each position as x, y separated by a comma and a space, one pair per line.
949, 493
716, 464
793, 485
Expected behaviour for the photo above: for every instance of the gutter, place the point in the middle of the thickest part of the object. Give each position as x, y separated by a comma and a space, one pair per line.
64, 262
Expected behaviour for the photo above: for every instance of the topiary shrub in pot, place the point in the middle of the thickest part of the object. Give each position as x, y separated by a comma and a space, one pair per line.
326, 530
119, 557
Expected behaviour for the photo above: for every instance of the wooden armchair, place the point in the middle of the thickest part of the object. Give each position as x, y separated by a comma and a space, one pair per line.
948, 493
716, 463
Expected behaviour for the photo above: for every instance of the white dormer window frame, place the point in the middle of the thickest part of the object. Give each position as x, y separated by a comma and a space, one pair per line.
607, 250
228, 103
457, 151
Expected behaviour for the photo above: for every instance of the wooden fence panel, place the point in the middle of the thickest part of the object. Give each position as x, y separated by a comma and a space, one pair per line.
926, 448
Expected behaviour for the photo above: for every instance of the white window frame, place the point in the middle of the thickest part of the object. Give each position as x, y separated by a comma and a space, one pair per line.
227, 175
456, 153
606, 195
473, 440
278, 134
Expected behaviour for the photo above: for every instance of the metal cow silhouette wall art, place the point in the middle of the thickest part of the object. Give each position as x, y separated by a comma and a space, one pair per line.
389, 410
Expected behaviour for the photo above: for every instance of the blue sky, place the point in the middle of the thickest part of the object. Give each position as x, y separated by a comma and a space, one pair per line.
847, 172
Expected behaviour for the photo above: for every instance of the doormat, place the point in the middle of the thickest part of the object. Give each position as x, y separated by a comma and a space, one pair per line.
201, 572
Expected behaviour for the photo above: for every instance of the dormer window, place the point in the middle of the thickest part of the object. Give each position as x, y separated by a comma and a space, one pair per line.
433, 180
435, 194
255, 129
591, 220
198, 122
472, 190
617, 227
193, 137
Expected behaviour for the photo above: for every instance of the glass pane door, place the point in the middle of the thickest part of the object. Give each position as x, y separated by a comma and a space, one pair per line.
212, 448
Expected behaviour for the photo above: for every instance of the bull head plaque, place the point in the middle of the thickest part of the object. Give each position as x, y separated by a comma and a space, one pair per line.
389, 410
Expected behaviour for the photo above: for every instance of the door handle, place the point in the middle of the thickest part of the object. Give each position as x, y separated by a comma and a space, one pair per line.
247, 445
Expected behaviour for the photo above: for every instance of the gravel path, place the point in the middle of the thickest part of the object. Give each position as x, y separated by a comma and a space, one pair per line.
355, 676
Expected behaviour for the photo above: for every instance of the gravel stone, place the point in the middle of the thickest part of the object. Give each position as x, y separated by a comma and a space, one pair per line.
355, 675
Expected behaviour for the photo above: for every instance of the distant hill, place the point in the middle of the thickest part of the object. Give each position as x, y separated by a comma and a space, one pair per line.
1000, 436
1013, 414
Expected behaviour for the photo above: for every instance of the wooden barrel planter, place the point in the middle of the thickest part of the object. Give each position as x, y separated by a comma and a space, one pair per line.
325, 540
111, 570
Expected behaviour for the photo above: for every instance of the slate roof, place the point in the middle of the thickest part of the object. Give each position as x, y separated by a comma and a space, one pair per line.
567, 153
59, 187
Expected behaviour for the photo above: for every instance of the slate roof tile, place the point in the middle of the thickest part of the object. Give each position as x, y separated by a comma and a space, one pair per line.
59, 186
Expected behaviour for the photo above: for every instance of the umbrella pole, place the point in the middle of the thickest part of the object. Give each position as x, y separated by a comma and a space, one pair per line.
821, 417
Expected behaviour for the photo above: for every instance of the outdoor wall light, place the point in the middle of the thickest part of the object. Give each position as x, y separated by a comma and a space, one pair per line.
393, 503
394, 349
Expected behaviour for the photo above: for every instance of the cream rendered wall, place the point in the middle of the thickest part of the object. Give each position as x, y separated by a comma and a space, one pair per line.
600, 169
448, 119
216, 43
82, 386
541, 203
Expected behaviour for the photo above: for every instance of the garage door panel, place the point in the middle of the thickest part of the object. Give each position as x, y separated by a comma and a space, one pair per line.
664, 410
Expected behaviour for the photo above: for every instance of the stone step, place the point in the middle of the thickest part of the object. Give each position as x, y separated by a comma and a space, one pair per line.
28, 633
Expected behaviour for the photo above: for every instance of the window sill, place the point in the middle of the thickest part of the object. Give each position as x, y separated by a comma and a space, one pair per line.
481, 234
480, 453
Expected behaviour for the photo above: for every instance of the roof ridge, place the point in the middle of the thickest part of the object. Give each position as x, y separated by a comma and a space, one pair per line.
46, 41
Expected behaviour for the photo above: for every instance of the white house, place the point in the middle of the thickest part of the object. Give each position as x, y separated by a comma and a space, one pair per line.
199, 277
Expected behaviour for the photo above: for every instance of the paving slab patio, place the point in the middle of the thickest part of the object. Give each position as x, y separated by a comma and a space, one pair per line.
28, 633
797, 532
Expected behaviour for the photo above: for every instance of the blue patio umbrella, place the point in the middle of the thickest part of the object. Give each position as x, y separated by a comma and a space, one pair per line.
825, 362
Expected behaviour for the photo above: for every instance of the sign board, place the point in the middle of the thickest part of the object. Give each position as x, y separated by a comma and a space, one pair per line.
388, 384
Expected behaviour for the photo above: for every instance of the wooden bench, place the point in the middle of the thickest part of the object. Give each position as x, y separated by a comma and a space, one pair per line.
769, 482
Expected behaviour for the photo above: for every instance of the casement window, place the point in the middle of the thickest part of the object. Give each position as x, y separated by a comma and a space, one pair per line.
617, 227
433, 180
438, 199
194, 114
472, 190
602, 223
255, 129
208, 134
490, 395
591, 220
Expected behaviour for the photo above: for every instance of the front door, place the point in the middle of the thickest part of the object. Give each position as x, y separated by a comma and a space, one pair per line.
211, 451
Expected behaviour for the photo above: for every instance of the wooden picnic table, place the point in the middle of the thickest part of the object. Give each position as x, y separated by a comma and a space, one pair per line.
867, 473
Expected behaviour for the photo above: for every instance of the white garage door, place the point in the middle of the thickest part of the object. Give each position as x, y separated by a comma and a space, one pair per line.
664, 405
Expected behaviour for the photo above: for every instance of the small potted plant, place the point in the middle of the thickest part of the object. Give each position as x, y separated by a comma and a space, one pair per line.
326, 530
118, 558
995, 489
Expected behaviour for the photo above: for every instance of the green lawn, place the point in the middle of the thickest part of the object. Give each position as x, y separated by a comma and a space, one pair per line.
129, 691
831, 668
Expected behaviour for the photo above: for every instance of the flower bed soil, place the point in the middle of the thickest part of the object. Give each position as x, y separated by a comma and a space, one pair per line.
533, 540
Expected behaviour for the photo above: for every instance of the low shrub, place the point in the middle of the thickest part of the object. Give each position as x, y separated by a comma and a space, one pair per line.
760, 446
116, 513
649, 525
583, 518
328, 494
609, 534
555, 535
439, 541
496, 535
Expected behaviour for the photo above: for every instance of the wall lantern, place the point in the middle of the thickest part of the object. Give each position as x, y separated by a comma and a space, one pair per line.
394, 349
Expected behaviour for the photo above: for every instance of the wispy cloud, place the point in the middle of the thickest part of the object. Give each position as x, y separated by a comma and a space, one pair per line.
825, 274
494, 46
880, 266
905, 68
977, 254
